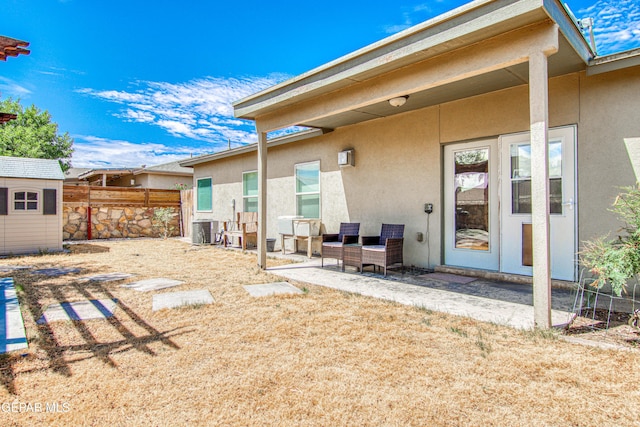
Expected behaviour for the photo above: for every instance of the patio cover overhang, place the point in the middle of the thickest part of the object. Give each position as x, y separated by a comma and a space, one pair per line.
102, 176
483, 46
12, 47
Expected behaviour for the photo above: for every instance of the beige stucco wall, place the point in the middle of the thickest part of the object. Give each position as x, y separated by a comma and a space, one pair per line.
164, 182
398, 159
145, 180
609, 113
28, 232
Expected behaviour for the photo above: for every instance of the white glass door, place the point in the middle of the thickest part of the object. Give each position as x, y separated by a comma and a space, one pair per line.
471, 205
516, 234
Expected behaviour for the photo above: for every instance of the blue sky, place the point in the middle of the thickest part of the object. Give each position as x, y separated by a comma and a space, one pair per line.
137, 82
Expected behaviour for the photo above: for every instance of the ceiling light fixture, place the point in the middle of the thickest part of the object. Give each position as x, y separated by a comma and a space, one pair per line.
398, 101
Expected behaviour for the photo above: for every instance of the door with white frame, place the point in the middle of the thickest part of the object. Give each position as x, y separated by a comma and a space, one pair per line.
516, 241
471, 220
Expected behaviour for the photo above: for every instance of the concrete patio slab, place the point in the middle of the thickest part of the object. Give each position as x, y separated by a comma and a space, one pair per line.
153, 284
12, 333
10, 268
180, 299
485, 309
56, 271
79, 310
107, 277
277, 288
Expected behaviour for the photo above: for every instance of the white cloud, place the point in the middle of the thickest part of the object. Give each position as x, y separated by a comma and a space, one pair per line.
200, 109
616, 27
10, 88
416, 14
616, 24
96, 152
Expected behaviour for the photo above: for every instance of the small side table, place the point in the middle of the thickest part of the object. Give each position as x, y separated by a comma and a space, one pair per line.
352, 255
310, 240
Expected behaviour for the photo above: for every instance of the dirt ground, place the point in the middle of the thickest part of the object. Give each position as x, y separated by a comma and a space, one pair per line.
322, 358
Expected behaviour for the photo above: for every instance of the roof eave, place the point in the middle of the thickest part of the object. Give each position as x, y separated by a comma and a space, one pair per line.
97, 172
480, 16
286, 139
153, 172
613, 62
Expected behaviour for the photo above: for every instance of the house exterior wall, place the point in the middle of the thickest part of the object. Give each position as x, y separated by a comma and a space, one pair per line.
168, 182
146, 180
609, 111
398, 160
29, 232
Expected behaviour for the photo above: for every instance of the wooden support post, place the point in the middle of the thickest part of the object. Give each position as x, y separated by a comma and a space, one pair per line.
539, 120
262, 200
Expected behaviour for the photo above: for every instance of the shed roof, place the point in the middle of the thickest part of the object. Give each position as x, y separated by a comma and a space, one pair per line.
21, 167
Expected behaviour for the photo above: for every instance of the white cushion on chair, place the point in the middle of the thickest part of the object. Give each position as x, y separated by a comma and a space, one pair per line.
379, 248
333, 244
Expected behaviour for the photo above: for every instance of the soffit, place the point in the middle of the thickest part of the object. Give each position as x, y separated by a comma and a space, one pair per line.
463, 27
564, 62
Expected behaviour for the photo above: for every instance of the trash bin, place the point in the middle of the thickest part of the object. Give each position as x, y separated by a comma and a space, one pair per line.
271, 245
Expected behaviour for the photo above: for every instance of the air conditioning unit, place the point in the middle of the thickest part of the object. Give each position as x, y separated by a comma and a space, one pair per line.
201, 231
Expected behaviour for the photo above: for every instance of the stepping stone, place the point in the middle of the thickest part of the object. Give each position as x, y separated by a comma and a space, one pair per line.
272, 289
80, 310
107, 277
180, 299
449, 278
56, 271
9, 268
12, 334
153, 284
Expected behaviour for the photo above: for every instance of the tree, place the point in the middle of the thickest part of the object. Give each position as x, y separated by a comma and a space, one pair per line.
33, 134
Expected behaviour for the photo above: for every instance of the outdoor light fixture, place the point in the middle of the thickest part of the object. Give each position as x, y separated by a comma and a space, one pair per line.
398, 101
345, 158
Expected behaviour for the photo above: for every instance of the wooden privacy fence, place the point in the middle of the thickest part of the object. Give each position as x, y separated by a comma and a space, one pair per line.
120, 196
186, 211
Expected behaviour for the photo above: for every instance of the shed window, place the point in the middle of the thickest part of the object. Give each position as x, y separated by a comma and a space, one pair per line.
25, 201
308, 189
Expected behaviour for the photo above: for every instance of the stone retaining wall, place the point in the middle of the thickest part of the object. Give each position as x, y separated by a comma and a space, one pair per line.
114, 222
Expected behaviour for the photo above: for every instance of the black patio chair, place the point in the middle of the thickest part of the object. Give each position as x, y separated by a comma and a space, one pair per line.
384, 250
332, 244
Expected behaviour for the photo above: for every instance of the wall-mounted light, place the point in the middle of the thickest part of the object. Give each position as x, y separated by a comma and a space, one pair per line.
346, 158
398, 101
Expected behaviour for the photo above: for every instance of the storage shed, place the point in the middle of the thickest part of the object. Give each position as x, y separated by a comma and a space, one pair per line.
30, 205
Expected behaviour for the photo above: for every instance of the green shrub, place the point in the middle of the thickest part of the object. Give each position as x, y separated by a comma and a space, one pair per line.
616, 261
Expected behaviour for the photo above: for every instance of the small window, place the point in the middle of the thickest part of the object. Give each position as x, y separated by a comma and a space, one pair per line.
204, 195
250, 191
25, 201
308, 190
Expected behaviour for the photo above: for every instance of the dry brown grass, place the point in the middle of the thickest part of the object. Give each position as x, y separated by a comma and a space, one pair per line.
322, 358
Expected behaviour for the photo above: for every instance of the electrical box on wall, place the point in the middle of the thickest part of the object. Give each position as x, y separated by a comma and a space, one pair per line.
346, 158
